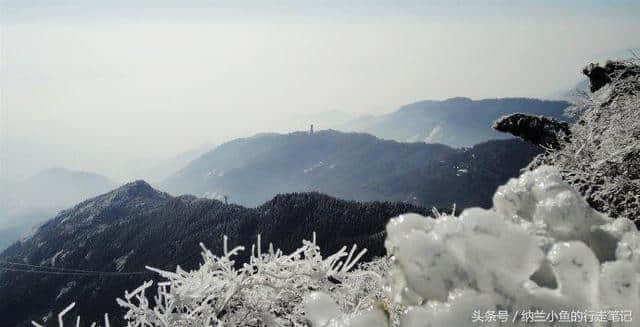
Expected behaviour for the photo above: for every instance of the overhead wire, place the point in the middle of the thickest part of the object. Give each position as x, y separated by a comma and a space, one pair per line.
52, 270
61, 270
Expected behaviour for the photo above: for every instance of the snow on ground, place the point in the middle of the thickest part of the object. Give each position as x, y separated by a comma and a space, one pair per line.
66, 289
213, 195
53, 260
214, 173
315, 166
30, 233
435, 136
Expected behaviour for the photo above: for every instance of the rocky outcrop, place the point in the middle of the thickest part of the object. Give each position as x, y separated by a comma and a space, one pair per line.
538, 130
602, 158
612, 71
598, 76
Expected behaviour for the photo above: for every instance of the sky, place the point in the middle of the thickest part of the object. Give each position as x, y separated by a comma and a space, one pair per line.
108, 85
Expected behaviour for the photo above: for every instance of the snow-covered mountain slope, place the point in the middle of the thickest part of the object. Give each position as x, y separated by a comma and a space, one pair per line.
456, 122
122, 231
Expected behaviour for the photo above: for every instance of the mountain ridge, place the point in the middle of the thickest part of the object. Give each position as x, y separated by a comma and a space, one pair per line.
456, 122
352, 166
29, 202
135, 225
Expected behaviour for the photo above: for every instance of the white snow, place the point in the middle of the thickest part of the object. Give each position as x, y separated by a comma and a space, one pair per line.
214, 173
101, 228
435, 136
320, 308
315, 166
53, 260
213, 195
121, 261
89, 219
66, 289
65, 219
30, 233
267, 291
540, 247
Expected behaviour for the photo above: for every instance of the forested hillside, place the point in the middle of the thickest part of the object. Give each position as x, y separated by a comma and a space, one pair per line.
135, 226
352, 166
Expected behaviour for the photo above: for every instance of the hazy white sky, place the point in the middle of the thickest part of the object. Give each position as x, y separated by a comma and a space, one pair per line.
92, 84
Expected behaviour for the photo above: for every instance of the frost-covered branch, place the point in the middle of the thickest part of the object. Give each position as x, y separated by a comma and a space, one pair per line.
266, 291
77, 324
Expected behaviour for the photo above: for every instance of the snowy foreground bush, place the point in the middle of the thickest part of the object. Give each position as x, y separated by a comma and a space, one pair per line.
266, 291
540, 257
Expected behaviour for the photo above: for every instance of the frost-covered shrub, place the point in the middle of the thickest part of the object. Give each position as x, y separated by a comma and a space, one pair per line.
266, 291
77, 321
540, 248
602, 158
599, 153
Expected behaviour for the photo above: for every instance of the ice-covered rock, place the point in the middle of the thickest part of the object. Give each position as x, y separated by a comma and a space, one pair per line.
538, 130
540, 250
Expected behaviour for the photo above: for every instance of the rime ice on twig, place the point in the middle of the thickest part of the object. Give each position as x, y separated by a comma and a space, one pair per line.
266, 291
603, 159
77, 324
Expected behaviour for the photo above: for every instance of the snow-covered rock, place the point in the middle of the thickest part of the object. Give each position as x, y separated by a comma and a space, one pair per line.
540, 249
539, 232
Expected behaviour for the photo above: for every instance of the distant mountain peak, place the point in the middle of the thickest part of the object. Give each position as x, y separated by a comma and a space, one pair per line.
137, 196
458, 99
120, 239
129, 192
55, 169
138, 187
457, 122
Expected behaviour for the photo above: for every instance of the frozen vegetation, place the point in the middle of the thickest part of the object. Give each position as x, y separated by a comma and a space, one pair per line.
600, 153
540, 248
267, 290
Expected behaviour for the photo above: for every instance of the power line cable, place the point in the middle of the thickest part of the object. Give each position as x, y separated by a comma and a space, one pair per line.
71, 271
46, 267
68, 273
64, 271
